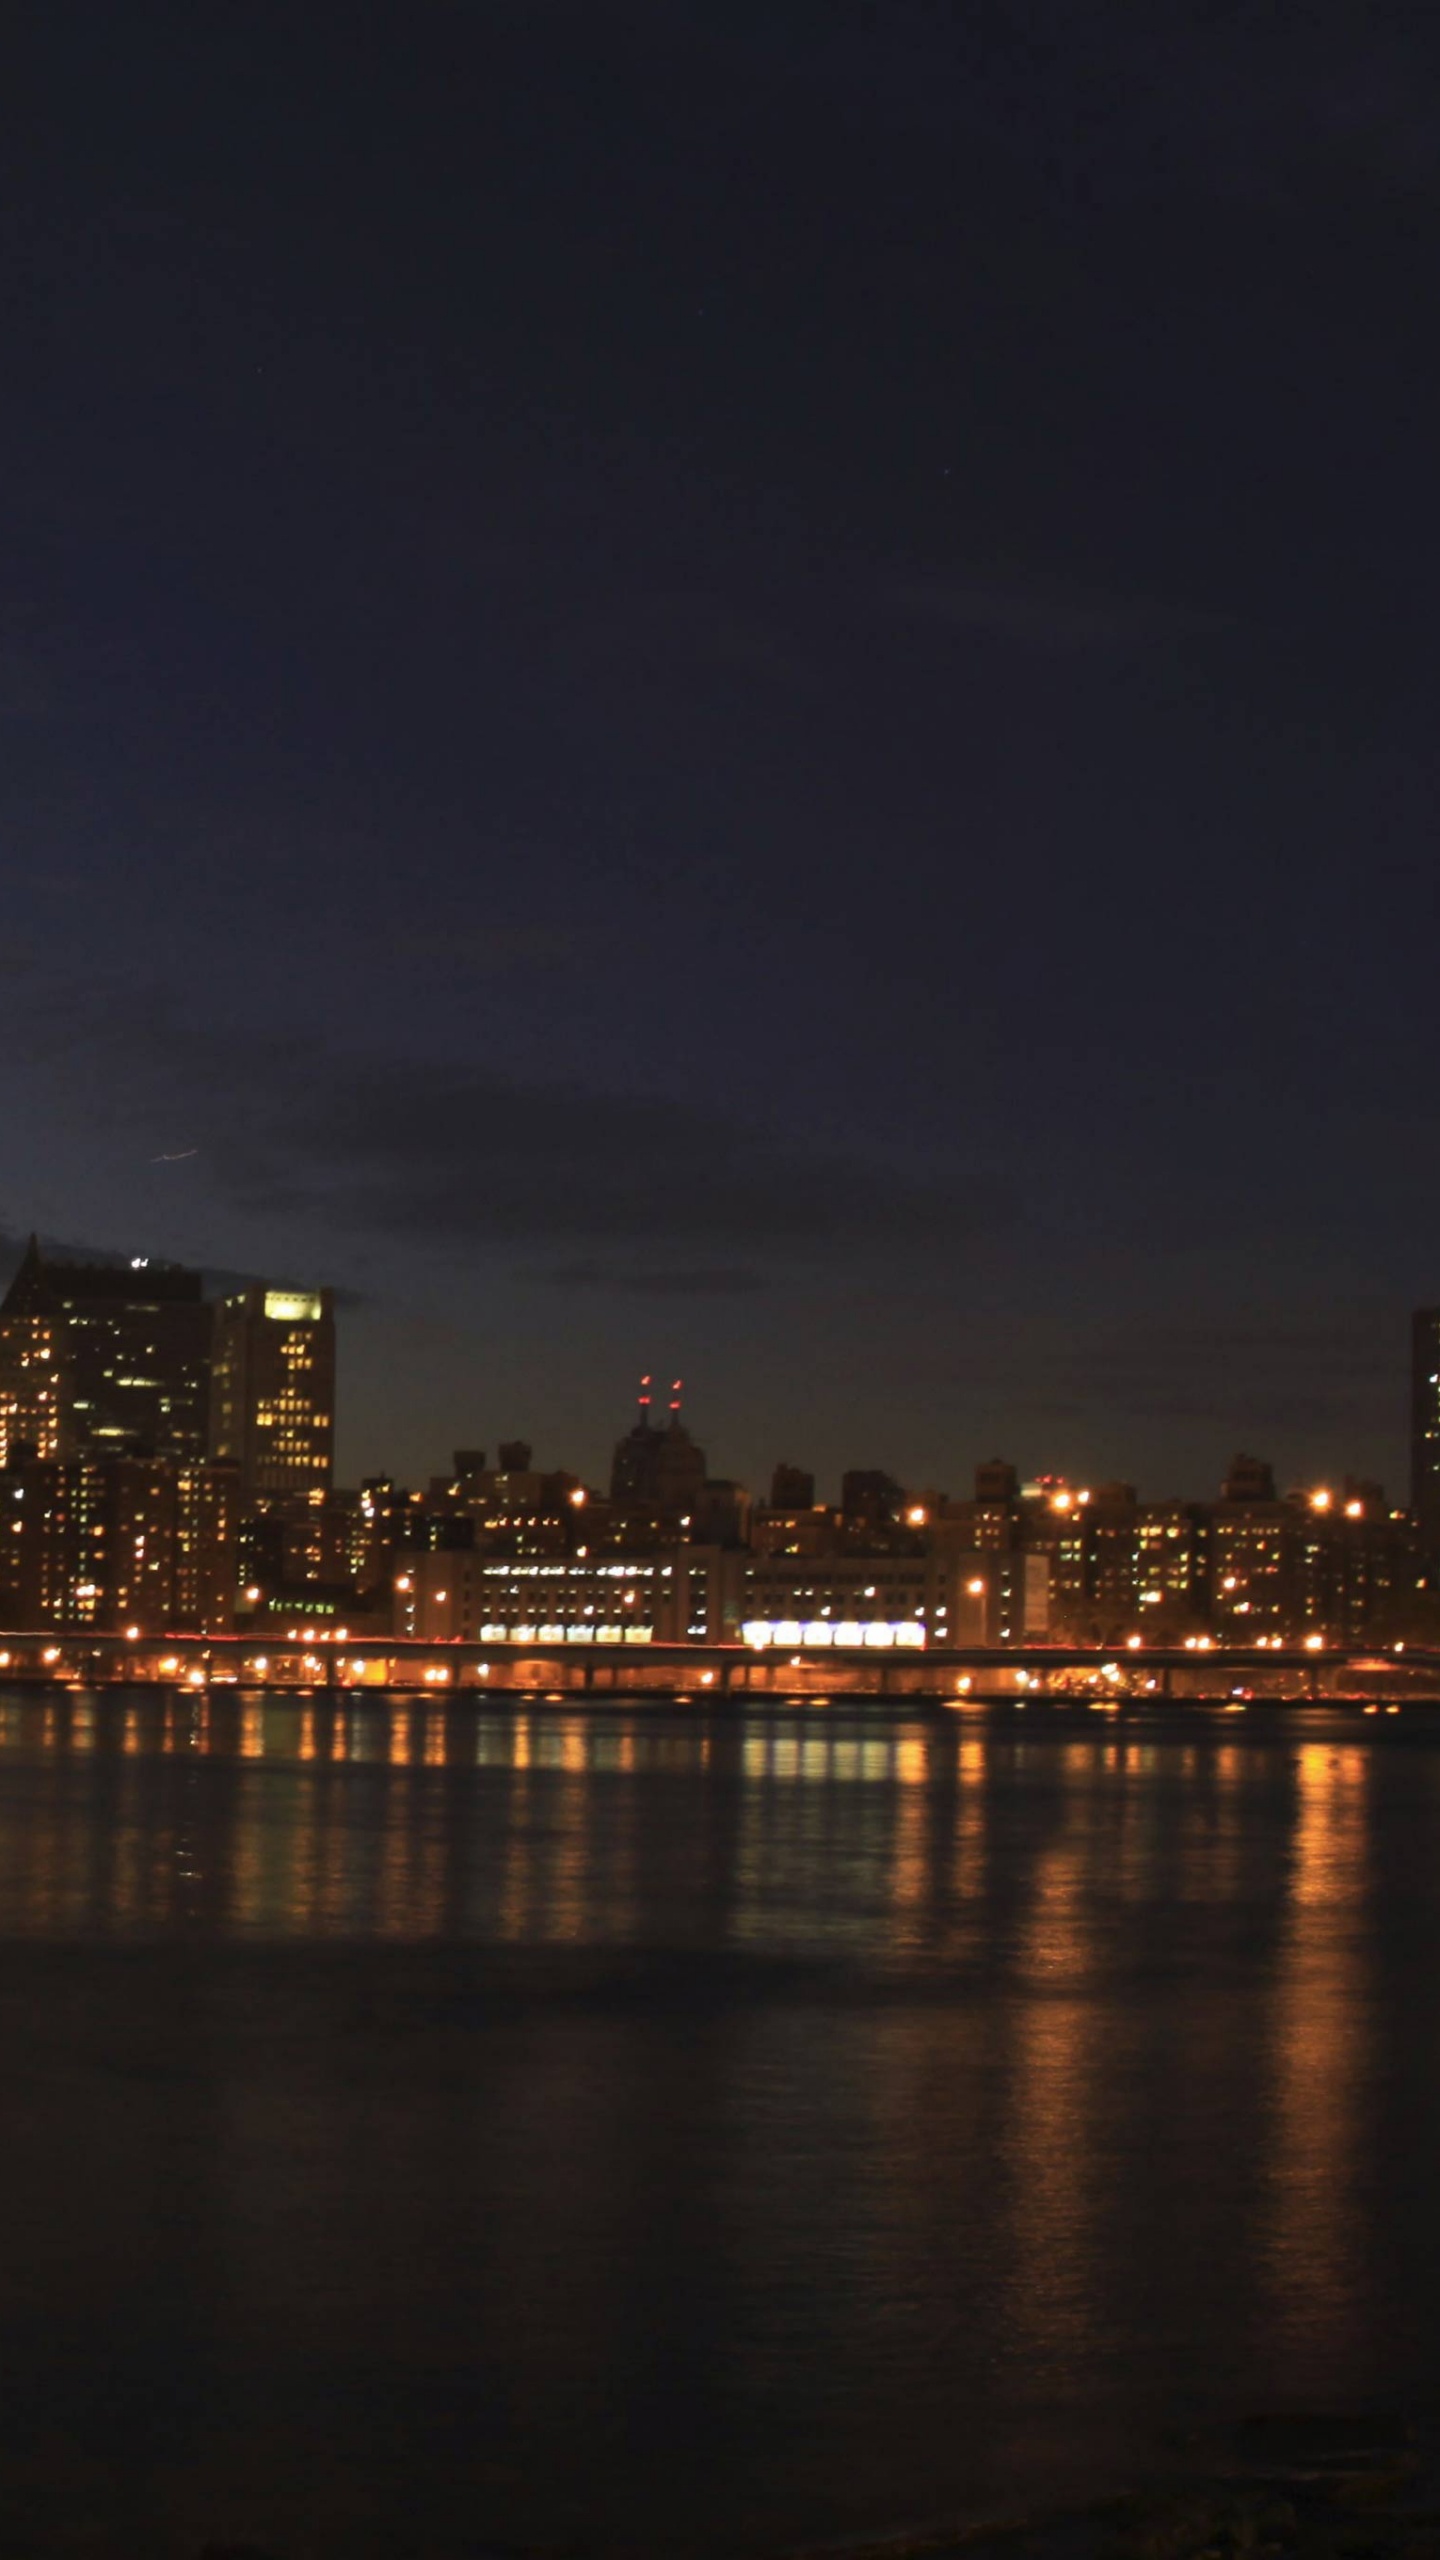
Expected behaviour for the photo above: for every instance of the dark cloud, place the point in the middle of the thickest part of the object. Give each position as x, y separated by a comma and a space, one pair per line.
62, 1248
400, 1149
218, 1281
396, 1148
725, 1281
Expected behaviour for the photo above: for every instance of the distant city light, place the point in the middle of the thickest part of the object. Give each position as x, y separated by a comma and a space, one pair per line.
93, 1370
876, 1634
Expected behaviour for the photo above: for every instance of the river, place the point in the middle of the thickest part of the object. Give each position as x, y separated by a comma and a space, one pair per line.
430, 2130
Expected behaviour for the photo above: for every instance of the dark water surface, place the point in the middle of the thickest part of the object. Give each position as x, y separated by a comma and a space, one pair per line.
425, 2130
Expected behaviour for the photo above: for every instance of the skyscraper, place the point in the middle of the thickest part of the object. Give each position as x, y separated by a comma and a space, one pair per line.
273, 1407
103, 1359
1425, 1427
657, 1475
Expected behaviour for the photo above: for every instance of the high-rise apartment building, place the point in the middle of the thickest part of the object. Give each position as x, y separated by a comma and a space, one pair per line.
112, 1542
273, 1402
103, 1359
1172, 1568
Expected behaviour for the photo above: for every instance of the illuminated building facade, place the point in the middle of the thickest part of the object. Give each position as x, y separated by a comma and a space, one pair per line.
1057, 1528
1089, 1539
115, 1542
1172, 1568
273, 1404
104, 1359
1255, 1578
811, 1532
116, 1379
1110, 1562
487, 1599
290, 1539
389, 1521
207, 1529
925, 1597
515, 1508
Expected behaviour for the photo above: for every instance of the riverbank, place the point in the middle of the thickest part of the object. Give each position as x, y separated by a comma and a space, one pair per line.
1314, 2486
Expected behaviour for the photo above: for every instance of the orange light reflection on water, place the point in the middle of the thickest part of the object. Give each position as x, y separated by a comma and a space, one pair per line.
1320, 2058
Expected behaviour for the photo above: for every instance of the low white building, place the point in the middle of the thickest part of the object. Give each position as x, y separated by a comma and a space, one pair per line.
490, 1599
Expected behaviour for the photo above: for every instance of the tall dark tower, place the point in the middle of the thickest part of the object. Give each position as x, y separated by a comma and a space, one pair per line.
103, 1359
1425, 1426
633, 1469
659, 1475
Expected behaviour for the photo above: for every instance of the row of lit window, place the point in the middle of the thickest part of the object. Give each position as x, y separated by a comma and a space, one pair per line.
497, 1631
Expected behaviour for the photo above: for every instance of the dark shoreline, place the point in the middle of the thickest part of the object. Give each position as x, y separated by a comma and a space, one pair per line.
1303, 2486
1318, 2486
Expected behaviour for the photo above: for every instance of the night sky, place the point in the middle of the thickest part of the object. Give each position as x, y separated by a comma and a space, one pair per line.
748, 689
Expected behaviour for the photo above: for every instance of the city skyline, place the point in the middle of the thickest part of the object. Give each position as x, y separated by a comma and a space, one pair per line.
741, 692
589, 1434
821, 782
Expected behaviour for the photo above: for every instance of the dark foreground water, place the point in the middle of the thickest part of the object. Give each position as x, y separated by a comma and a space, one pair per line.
431, 2131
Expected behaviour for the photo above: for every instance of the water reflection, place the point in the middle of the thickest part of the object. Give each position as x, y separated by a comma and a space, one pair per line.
1320, 2059
301, 1817
1055, 2057
867, 2118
